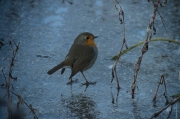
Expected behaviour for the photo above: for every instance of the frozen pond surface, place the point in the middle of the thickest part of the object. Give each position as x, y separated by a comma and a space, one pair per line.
47, 29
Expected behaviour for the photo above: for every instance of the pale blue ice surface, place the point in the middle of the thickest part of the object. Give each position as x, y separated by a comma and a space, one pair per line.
46, 30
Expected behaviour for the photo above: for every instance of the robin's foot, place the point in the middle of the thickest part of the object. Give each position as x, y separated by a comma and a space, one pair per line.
72, 81
88, 83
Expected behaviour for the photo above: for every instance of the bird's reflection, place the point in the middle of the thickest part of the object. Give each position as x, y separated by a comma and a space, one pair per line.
81, 106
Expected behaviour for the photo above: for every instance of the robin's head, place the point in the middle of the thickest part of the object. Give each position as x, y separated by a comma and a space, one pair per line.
86, 39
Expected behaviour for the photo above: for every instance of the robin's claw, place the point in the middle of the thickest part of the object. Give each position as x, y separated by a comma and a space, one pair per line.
88, 83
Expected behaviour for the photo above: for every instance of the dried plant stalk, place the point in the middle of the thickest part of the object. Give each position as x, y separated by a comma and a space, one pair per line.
144, 49
7, 85
162, 81
172, 102
121, 19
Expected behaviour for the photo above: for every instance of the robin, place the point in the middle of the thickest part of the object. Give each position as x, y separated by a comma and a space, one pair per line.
82, 55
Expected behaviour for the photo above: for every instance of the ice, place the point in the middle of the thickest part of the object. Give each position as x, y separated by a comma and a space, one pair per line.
61, 10
56, 19
46, 31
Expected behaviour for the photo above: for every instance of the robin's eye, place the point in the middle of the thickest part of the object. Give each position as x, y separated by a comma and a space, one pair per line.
87, 38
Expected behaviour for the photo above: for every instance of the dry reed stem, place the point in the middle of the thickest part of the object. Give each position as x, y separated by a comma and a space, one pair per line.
121, 19
6, 86
172, 102
150, 28
161, 82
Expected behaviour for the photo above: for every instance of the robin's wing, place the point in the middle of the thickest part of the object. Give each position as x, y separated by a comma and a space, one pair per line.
83, 57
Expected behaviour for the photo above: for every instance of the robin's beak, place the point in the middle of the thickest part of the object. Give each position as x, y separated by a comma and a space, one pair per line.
96, 37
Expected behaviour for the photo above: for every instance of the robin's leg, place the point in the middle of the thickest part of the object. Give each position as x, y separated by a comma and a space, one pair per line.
87, 82
72, 81
84, 77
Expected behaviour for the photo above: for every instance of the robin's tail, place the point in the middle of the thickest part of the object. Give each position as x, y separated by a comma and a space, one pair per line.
59, 66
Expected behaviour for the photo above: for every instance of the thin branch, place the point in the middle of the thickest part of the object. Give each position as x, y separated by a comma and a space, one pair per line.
12, 62
3, 74
144, 49
12, 43
9, 77
163, 22
162, 81
21, 101
172, 102
121, 19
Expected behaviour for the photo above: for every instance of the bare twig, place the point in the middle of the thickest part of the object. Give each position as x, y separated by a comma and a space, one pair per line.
144, 49
162, 20
3, 74
176, 110
15, 48
170, 104
170, 111
121, 19
21, 101
162, 81
12, 62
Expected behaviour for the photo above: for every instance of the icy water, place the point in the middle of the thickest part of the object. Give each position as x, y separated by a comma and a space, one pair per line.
46, 30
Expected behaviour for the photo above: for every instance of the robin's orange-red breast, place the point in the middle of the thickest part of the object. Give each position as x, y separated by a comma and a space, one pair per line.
82, 55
